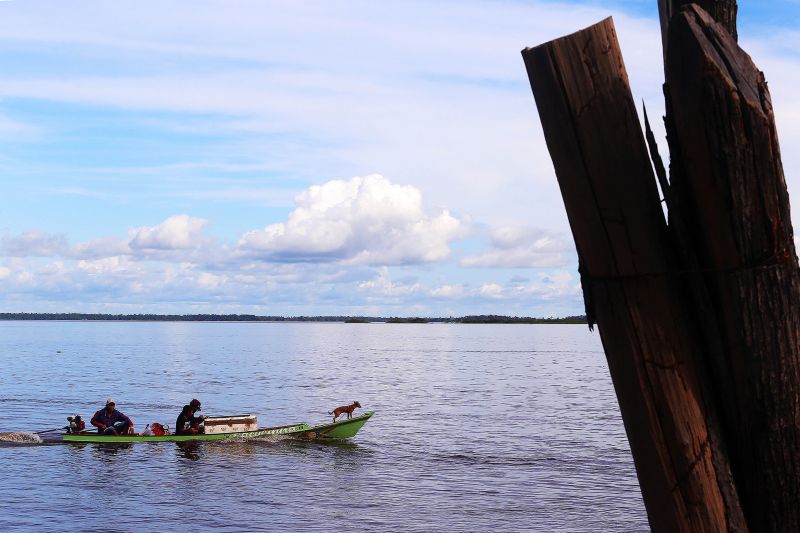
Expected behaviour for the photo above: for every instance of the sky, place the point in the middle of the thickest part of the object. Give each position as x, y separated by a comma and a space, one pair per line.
306, 158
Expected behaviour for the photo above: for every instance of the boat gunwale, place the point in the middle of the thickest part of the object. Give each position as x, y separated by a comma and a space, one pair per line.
195, 436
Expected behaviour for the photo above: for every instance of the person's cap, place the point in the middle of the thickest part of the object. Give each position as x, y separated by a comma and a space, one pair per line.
195, 403
110, 401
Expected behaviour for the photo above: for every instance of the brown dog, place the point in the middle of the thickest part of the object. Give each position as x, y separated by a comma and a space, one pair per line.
339, 411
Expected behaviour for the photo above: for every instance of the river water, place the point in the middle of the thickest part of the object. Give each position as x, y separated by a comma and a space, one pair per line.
477, 428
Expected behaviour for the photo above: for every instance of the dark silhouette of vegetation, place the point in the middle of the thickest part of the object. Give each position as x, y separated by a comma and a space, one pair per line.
499, 319
149, 317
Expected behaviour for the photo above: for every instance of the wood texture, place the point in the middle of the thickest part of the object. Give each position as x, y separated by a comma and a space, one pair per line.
728, 191
723, 11
594, 138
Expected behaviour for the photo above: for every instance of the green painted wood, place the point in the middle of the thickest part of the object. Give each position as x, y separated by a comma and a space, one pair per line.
344, 429
93, 437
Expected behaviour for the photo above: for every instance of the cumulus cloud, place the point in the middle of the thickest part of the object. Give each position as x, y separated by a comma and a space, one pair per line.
383, 285
105, 266
558, 286
365, 220
209, 281
448, 291
34, 243
521, 247
178, 232
100, 248
491, 290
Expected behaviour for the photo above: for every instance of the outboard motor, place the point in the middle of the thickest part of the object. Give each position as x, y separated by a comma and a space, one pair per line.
76, 424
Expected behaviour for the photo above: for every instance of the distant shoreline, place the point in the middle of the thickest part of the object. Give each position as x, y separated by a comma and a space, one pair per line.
470, 319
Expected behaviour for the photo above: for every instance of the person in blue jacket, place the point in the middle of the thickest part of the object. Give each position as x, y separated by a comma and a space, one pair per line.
109, 421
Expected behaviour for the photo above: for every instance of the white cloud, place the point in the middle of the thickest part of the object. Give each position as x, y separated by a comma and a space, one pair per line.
365, 220
54, 268
448, 291
383, 285
209, 281
116, 283
491, 290
106, 266
521, 247
16, 130
555, 285
33, 243
178, 232
99, 248
548, 286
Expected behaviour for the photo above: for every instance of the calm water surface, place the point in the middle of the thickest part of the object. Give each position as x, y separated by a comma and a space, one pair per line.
478, 428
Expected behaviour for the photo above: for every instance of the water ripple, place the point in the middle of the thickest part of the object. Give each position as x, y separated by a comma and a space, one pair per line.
479, 428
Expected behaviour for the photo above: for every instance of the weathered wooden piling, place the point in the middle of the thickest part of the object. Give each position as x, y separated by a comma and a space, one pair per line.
593, 134
728, 188
699, 317
723, 11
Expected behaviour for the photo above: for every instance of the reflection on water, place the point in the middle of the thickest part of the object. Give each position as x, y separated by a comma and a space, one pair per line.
477, 428
340, 452
103, 449
189, 450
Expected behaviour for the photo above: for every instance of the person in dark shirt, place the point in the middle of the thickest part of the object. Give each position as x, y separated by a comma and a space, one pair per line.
109, 421
187, 423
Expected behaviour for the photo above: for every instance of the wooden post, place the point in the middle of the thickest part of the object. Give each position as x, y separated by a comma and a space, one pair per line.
729, 192
595, 141
708, 379
723, 11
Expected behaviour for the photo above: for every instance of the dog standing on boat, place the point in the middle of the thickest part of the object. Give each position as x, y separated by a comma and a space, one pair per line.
344, 409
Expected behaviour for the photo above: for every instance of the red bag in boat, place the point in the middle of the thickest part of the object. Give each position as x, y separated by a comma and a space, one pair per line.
158, 429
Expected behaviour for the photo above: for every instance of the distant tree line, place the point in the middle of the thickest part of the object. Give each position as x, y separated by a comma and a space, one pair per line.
149, 317
500, 319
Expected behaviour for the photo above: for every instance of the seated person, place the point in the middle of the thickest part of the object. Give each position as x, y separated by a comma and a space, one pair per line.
109, 421
195, 405
187, 423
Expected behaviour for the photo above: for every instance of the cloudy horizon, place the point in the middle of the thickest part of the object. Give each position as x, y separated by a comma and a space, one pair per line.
281, 159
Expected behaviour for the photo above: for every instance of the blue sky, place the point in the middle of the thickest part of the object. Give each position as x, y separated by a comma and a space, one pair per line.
380, 158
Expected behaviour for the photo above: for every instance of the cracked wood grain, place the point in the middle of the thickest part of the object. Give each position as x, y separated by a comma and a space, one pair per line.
729, 191
601, 161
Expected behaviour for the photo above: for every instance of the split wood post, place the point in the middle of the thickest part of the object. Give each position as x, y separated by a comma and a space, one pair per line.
729, 193
595, 140
723, 11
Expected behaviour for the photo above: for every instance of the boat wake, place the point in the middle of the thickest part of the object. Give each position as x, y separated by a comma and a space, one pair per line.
19, 437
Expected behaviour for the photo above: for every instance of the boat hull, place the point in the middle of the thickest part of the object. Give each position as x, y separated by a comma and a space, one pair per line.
344, 429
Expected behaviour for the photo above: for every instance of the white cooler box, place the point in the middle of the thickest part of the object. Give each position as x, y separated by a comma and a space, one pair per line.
230, 424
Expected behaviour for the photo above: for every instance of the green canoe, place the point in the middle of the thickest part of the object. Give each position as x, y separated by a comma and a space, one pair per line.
343, 429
